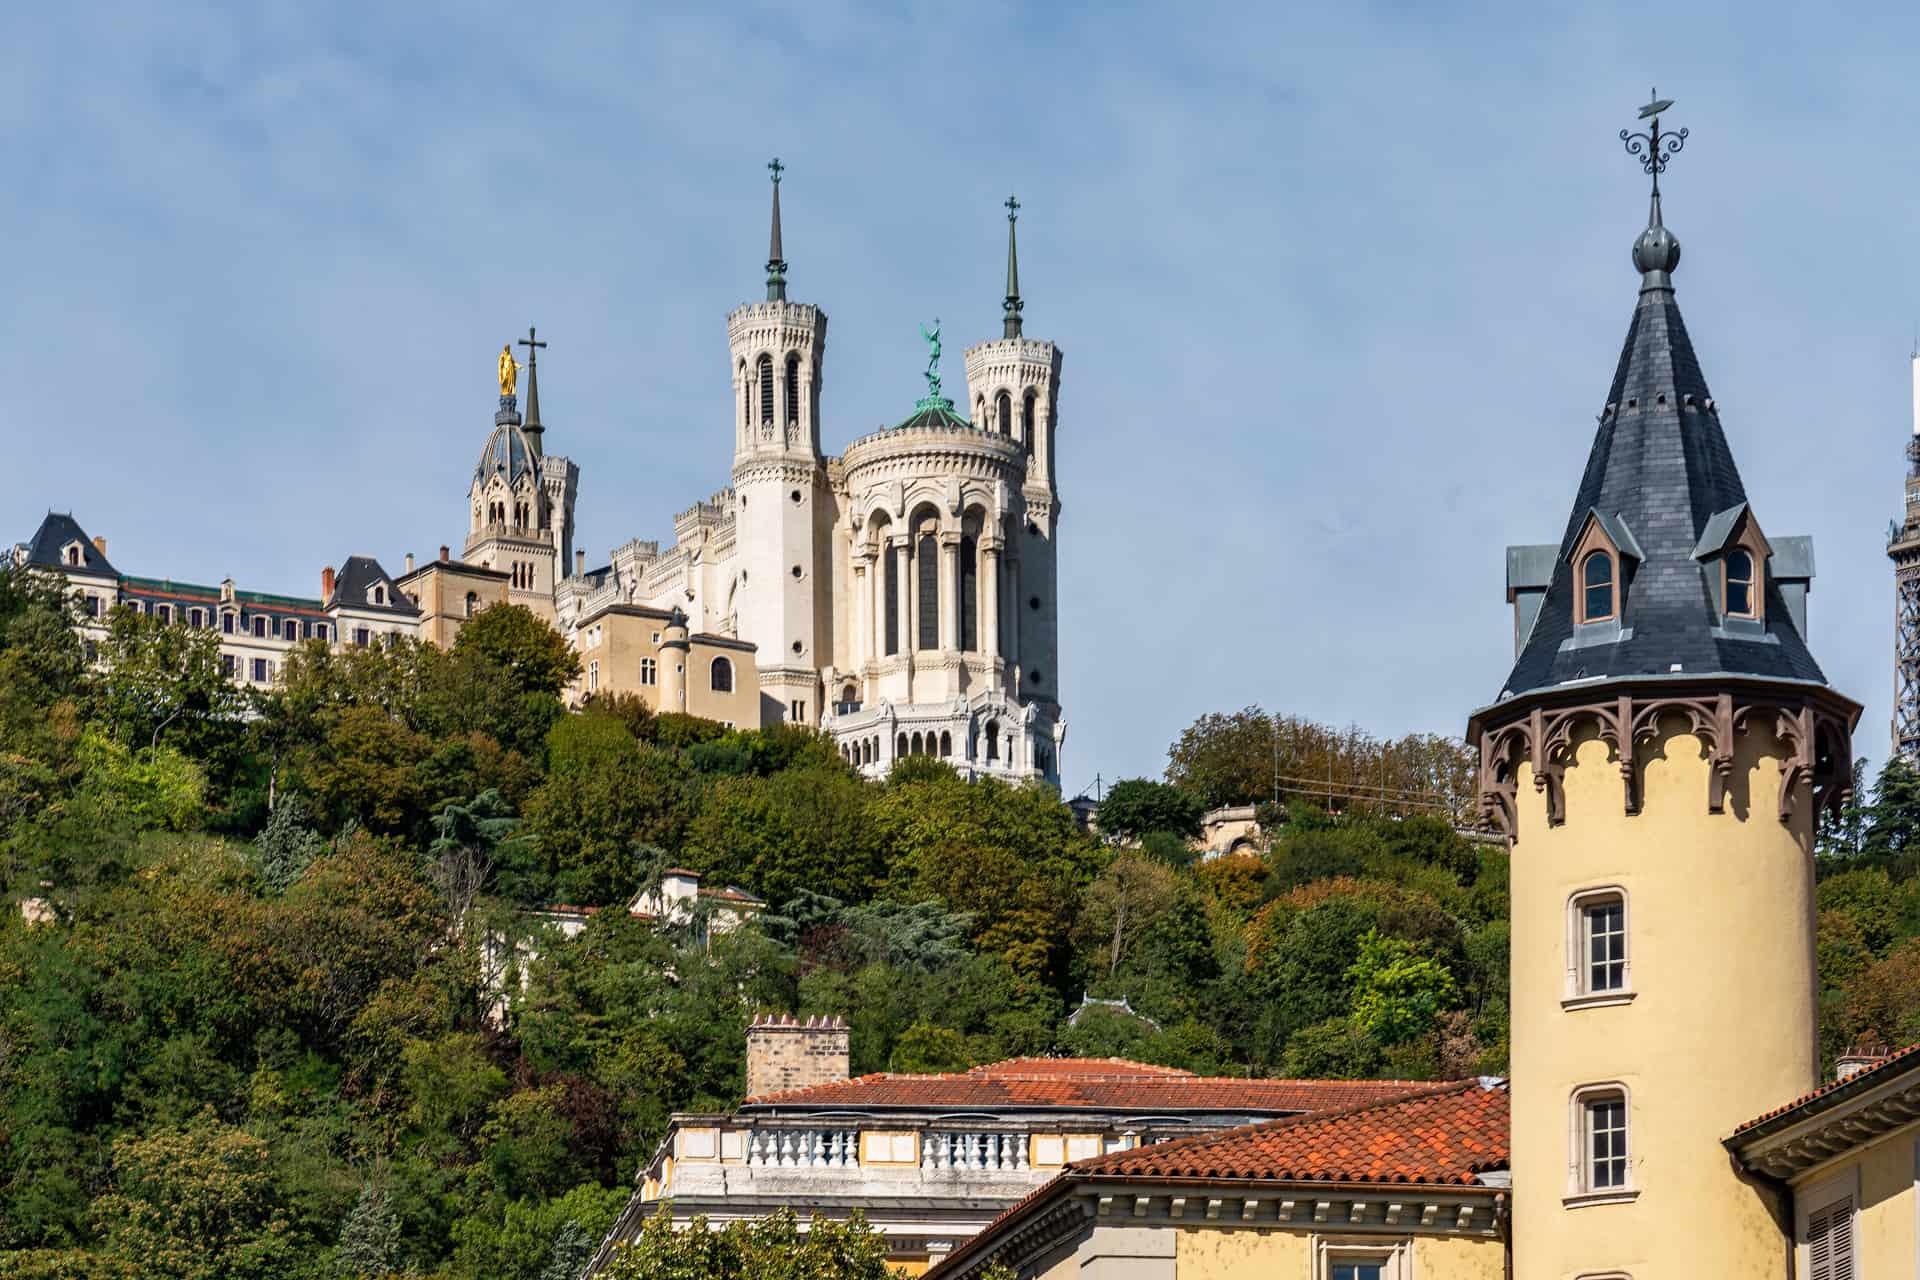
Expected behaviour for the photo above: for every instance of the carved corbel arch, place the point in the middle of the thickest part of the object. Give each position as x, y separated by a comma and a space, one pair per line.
1709, 719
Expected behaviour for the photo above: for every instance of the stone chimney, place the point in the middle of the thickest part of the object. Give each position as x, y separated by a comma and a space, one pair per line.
407, 565
326, 584
580, 563
784, 1052
100, 544
443, 552
1857, 1059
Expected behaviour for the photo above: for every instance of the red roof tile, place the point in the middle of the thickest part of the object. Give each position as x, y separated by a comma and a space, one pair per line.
1873, 1074
1094, 1083
1443, 1135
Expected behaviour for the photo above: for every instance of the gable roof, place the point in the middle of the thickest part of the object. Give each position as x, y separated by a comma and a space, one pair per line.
1440, 1136
56, 532
1660, 465
1831, 1094
1085, 1083
1445, 1135
353, 586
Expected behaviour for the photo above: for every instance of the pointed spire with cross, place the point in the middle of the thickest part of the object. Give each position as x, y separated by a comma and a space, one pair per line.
776, 262
533, 428
1013, 306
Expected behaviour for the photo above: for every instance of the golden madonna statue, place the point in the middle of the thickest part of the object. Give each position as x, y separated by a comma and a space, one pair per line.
509, 371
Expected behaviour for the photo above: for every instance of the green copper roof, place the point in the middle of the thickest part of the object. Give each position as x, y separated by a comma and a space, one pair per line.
934, 411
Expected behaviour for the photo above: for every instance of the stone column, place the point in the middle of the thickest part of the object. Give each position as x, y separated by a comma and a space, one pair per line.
989, 579
903, 593
950, 592
860, 629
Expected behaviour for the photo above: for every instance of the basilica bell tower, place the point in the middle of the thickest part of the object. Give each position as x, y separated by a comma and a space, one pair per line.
784, 512
1657, 759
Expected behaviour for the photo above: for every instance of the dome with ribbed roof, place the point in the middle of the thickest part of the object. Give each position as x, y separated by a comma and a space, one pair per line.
507, 454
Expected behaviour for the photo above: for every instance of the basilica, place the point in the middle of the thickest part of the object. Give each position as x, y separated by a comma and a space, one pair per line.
899, 596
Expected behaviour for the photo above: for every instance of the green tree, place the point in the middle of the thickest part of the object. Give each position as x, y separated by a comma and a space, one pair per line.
533, 655
1122, 904
1136, 806
163, 684
285, 845
1397, 991
799, 828
196, 1202
604, 793
771, 1248
369, 1237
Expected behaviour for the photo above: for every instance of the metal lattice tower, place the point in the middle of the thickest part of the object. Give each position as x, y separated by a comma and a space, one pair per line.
1903, 548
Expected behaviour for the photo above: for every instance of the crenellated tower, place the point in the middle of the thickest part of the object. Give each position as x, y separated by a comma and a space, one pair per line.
783, 506
1013, 385
1657, 758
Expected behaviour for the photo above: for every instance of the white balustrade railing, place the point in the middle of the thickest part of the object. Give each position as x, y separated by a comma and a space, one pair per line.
804, 1148
968, 1151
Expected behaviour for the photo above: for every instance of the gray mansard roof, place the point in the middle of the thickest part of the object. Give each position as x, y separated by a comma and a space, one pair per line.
354, 587
1662, 475
55, 533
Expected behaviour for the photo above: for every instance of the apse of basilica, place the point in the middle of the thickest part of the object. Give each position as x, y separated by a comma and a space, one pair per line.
901, 595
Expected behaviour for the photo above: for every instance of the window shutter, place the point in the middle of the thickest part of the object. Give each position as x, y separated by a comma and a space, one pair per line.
1830, 1242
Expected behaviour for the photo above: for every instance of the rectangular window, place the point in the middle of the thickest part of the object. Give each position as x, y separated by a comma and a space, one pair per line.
293, 629
164, 612
360, 636
593, 676
260, 626
799, 712
1603, 929
1604, 1167
193, 618
226, 624
1357, 1271
228, 665
320, 630
649, 671
93, 606
929, 608
1830, 1242
259, 670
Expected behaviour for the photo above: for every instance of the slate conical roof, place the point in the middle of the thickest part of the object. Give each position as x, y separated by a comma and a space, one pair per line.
1661, 467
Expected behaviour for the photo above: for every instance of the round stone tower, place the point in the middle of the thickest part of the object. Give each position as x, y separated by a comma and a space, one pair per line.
1658, 758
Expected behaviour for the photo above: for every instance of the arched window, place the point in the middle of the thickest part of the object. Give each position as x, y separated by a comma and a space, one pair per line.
722, 676
993, 740
946, 744
1742, 597
1596, 578
793, 388
1003, 414
892, 588
763, 371
969, 595
927, 552
918, 746
901, 747
746, 395
1026, 420
379, 595
73, 556
473, 603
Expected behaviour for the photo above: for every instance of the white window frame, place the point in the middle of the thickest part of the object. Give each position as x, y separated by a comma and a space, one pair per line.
649, 672
1580, 1192
1577, 995
593, 676
1817, 1198
1392, 1256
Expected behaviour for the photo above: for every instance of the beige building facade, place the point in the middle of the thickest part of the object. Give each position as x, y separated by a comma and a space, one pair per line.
652, 655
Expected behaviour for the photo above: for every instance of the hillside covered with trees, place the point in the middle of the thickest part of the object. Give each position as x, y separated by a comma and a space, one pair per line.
250, 960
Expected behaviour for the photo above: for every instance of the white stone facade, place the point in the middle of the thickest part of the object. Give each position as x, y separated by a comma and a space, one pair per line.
901, 596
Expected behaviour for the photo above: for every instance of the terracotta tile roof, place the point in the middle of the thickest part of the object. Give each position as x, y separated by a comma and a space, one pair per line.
1899, 1060
1442, 1135
1093, 1083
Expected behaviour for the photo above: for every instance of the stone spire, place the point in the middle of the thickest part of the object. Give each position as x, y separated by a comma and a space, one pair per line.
535, 432
776, 263
1013, 306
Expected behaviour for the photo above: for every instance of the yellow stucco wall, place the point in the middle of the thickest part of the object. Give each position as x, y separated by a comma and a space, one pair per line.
1884, 1238
626, 638
1458, 1258
1224, 1253
1721, 1029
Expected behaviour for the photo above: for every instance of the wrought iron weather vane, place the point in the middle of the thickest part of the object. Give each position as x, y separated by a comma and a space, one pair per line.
1653, 148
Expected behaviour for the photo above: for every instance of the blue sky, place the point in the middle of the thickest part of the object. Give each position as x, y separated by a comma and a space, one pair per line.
1340, 290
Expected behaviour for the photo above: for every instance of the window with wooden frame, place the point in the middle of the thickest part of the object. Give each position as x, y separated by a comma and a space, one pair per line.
1599, 569
1739, 588
1599, 588
1356, 1258
1600, 1153
1599, 965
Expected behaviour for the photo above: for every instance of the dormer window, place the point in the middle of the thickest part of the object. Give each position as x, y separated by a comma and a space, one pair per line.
380, 595
1600, 570
1741, 594
1597, 587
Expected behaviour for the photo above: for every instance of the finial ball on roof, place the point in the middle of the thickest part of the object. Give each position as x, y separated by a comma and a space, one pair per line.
1657, 249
